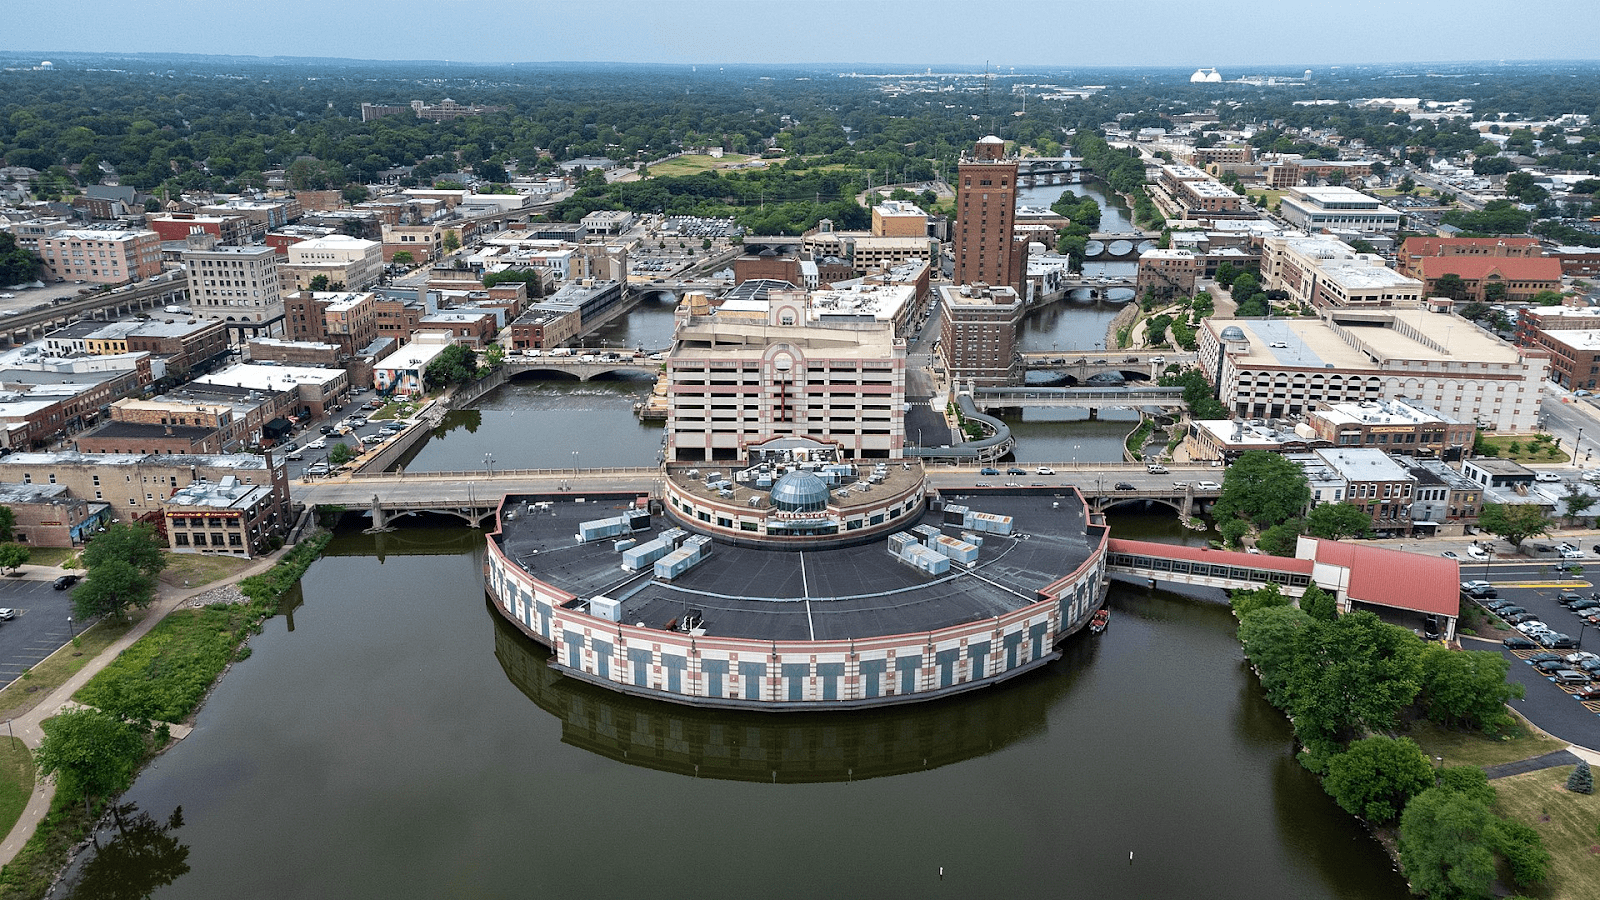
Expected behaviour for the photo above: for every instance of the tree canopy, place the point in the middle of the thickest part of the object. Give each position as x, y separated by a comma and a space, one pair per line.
95, 752
1377, 776
1263, 487
135, 543
457, 364
110, 588
1336, 521
1515, 522
1466, 688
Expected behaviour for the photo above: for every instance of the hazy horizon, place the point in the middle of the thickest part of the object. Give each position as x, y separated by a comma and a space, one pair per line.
819, 33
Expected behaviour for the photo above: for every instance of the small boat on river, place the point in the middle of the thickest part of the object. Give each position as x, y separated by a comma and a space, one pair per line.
1102, 618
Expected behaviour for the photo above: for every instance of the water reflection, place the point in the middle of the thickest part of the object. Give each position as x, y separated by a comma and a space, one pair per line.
789, 748
141, 856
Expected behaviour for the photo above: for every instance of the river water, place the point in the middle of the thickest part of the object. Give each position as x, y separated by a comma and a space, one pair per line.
391, 737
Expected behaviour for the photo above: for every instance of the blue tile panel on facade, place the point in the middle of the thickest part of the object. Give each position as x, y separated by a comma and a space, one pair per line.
682, 667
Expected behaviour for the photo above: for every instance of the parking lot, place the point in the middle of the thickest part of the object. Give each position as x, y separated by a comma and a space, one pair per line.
1549, 705
39, 627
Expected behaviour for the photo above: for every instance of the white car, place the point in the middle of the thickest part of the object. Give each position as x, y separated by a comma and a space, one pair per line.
1045, 470
318, 444
1207, 486
1476, 552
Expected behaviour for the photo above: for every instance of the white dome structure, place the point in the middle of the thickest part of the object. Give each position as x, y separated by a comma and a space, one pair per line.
1206, 76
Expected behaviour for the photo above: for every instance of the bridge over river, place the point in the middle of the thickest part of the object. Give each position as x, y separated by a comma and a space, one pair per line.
474, 495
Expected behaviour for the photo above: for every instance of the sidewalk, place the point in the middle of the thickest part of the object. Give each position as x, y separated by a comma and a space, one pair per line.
27, 726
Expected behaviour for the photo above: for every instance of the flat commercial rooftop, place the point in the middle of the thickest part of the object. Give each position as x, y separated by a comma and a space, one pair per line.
780, 594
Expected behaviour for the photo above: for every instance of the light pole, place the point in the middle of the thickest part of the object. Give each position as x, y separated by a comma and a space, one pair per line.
488, 462
1583, 625
70, 629
574, 462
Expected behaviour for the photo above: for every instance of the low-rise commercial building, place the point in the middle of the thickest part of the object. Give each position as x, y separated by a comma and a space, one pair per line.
237, 286
138, 485
1571, 335
46, 515
404, 372
228, 516
1413, 250
1167, 274
1393, 426
352, 262
1492, 279
1336, 208
1322, 272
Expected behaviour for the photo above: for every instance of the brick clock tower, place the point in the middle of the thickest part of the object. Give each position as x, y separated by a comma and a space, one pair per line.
986, 249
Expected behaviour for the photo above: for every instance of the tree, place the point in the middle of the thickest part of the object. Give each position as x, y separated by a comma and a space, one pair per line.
494, 355
1245, 601
112, 587
1406, 185
1269, 636
1581, 781
1450, 285
95, 752
1264, 488
1350, 676
135, 543
1442, 847
1515, 522
451, 240
1336, 521
1577, 501
1376, 777
402, 258
1232, 530
318, 283
354, 193
8, 523
457, 364
1319, 604
1281, 539
1466, 688
340, 454
1523, 850
13, 556
1469, 780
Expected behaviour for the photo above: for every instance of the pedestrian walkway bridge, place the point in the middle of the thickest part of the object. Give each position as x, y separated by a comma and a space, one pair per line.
1203, 566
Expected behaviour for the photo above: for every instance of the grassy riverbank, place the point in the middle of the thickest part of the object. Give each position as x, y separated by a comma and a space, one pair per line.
1566, 822
162, 678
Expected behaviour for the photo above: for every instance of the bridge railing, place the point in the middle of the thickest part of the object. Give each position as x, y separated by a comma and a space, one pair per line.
479, 474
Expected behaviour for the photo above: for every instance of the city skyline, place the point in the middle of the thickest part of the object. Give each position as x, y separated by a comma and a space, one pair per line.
788, 32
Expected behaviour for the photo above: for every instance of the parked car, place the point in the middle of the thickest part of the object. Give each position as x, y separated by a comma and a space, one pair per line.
373, 439
1495, 605
1519, 642
1529, 627
1591, 666
1579, 657
1544, 656
326, 429
1569, 676
1588, 693
1550, 665
1449, 554
1570, 553
296, 453
1476, 552
65, 581
1582, 606
1555, 640
1567, 598
8, 614
318, 444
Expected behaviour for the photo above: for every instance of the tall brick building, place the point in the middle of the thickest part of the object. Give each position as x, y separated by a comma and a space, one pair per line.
987, 250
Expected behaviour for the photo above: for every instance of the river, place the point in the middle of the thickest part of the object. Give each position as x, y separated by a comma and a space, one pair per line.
391, 737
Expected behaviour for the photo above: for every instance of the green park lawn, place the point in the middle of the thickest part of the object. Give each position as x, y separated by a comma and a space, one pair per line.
16, 780
196, 569
1566, 822
693, 165
1471, 748
1504, 442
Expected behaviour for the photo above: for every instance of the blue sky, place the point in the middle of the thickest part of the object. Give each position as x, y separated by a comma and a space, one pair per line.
1065, 33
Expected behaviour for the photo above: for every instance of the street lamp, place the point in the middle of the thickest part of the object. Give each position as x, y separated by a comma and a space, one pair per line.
488, 463
574, 462
1583, 625
70, 629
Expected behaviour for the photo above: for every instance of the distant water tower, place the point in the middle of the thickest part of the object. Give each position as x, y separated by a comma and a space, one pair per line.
47, 64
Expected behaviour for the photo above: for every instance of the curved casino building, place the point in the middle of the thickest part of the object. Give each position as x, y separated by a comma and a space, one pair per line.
797, 579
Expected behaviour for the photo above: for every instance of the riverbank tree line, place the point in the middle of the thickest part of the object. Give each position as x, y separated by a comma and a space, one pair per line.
1349, 685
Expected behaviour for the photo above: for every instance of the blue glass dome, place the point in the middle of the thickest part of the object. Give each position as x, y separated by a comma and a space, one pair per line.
1233, 333
800, 491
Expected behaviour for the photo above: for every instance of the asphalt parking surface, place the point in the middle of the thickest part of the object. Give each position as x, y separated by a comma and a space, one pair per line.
1549, 705
39, 627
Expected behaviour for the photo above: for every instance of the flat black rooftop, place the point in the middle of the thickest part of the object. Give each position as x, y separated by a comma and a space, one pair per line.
779, 594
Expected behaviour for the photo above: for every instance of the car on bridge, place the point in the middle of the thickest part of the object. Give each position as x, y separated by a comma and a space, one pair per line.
1207, 486
1125, 486
1045, 470
987, 470
1016, 471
